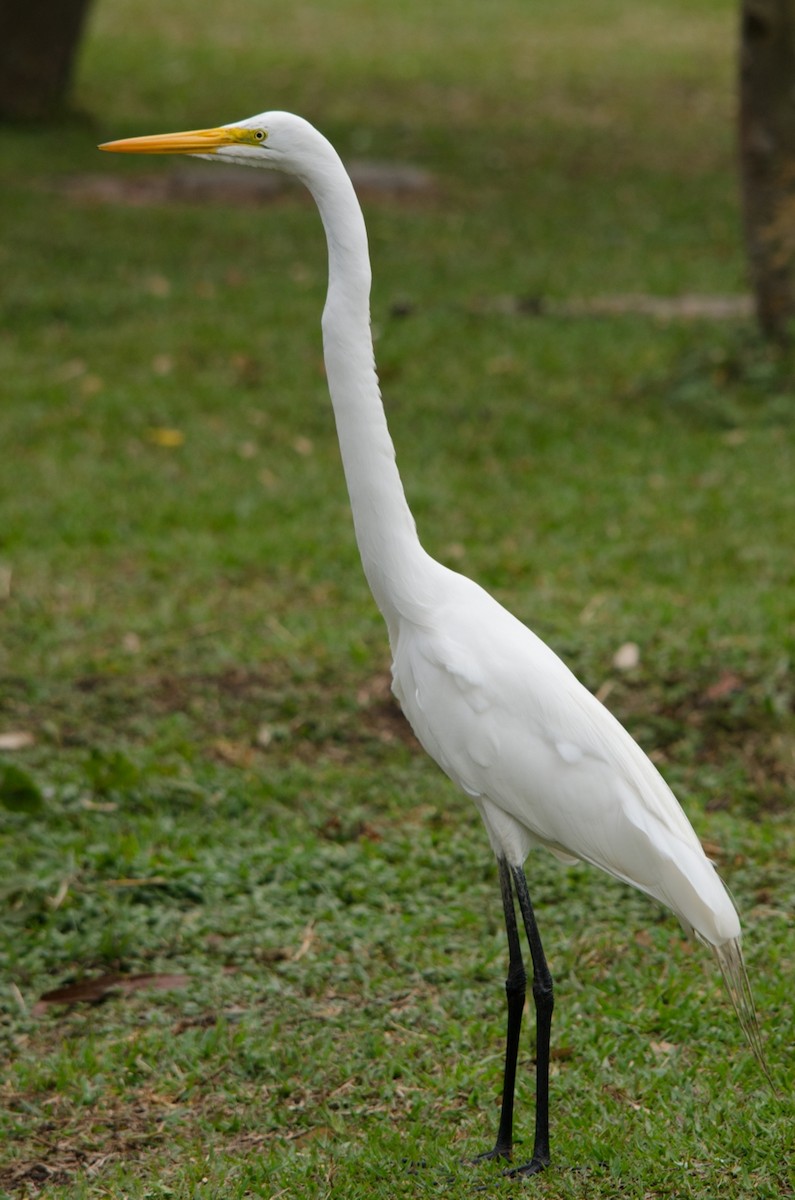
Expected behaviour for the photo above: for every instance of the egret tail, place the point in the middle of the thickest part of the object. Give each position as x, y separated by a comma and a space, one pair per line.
732, 965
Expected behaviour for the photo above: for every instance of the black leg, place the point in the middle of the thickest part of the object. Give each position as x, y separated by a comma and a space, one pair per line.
515, 990
544, 1002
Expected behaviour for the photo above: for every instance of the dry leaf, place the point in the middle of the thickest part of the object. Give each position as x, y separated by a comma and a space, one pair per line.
92, 991
90, 385
237, 754
604, 690
626, 657
144, 881
55, 902
273, 954
16, 739
317, 1131
168, 438
591, 608
728, 683
157, 285
106, 806
306, 944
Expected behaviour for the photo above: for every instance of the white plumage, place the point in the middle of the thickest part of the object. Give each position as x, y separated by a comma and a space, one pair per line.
544, 762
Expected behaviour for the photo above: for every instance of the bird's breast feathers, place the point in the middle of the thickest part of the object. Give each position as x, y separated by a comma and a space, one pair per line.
512, 726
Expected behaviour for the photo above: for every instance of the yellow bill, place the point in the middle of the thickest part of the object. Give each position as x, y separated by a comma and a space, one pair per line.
195, 141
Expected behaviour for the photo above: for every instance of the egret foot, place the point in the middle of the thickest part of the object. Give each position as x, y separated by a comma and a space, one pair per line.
488, 1155
530, 1168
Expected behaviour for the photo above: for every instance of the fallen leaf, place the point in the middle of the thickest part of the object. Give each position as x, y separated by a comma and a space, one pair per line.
604, 690
55, 902
264, 736
306, 944
150, 881
591, 608
16, 739
164, 982
169, 438
273, 954
107, 806
728, 683
626, 657
621, 1096
157, 285
87, 991
237, 754
90, 385
93, 991
205, 1021
318, 1131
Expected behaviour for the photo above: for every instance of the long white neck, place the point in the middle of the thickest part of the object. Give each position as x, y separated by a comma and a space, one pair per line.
397, 568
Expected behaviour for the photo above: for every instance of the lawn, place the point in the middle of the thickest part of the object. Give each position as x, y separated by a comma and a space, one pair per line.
252, 941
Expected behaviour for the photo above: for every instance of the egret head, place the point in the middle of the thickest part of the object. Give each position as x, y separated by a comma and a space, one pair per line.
277, 140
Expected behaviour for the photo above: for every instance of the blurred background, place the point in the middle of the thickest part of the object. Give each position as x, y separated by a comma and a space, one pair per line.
204, 783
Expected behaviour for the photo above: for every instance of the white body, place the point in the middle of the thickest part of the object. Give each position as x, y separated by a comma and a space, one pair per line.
542, 759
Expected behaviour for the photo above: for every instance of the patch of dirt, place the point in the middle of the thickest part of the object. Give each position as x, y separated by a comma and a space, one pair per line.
238, 186
687, 307
237, 713
83, 1141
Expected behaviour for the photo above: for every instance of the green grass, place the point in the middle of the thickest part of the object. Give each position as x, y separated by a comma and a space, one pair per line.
219, 793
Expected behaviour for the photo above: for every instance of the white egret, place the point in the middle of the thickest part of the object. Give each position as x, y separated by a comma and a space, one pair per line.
544, 762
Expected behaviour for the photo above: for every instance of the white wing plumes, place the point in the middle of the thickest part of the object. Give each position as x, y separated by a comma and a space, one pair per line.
547, 764
545, 761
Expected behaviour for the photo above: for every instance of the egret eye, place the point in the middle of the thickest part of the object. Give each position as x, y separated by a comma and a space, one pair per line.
260, 135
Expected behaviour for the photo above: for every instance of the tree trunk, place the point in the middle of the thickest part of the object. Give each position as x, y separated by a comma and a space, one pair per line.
767, 158
38, 43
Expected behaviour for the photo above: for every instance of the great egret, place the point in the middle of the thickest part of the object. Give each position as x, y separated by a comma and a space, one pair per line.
544, 762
